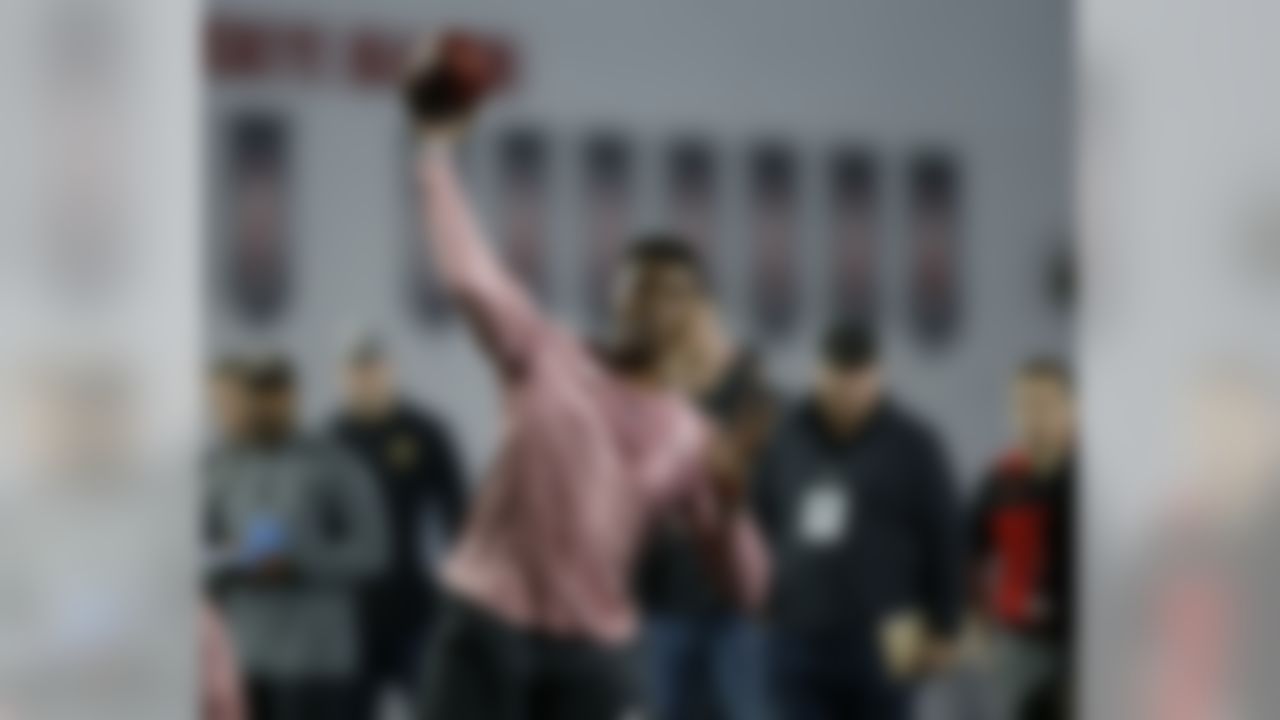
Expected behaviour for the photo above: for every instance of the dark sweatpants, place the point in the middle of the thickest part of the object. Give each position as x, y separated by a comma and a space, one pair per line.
833, 675
481, 668
300, 700
394, 627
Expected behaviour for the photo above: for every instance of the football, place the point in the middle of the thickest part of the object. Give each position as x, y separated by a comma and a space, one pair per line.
454, 76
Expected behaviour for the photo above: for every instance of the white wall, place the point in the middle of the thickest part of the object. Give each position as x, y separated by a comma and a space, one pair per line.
988, 78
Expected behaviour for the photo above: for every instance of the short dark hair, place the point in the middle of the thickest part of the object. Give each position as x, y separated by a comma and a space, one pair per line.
1046, 367
269, 375
850, 345
662, 248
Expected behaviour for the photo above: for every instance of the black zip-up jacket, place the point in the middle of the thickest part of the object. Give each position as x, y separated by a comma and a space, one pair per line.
417, 473
901, 542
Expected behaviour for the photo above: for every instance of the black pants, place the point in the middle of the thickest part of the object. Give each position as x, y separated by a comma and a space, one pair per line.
394, 627
481, 668
300, 700
833, 675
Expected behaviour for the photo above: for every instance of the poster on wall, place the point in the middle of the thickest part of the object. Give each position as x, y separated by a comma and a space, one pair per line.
606, 206
854, 234
692, 182
524, 206
935, 245
773, 207
257, 222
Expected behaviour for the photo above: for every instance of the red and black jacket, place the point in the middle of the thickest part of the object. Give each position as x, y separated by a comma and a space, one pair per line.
1023, 541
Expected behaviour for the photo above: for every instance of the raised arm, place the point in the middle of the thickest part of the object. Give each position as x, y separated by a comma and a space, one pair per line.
504, 317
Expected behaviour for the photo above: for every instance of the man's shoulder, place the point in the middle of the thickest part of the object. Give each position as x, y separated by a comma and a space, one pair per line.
1012, 464
217, 454
1007, 471
340, 422
676, 425
422, 418
217, 461
909, 425
680, 416
319, 448
793, 416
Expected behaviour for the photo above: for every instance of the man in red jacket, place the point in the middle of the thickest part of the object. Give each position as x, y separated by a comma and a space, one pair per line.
1024, 547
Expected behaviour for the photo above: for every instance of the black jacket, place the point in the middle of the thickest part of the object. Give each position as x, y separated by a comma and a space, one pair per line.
1023, 531
897, 545
412, 459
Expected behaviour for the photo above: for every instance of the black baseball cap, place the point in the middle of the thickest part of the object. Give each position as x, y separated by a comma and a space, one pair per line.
850, 345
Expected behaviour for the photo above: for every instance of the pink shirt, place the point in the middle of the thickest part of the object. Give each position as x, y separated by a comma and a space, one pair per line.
586, 463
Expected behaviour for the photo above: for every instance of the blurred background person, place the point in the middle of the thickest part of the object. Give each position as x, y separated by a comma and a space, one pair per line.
221, 685
94, 531
229, 402
1196, 607
1024, 548
857, 498
414, 468
228, 433
300, 529
704, 659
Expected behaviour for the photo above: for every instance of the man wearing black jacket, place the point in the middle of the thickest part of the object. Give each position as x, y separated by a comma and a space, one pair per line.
858, 501
412, 460
704, 659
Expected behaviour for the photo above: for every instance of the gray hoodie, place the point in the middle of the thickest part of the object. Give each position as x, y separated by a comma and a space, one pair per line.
327, 524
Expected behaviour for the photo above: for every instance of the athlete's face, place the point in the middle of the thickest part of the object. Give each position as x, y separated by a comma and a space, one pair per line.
847, 396
657, 304
370, 386
273, 414
1043, 415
